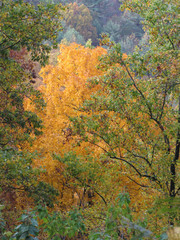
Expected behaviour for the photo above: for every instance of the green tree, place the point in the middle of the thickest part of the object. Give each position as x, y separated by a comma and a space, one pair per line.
134, 116
22, 25
71, 35
125, 29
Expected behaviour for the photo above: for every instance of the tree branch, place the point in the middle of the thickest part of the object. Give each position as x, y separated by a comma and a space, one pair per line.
164, 101
135, 155
141, 185
135, 85
152, 178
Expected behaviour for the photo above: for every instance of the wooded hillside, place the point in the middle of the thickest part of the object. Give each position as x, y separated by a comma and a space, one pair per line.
90, 137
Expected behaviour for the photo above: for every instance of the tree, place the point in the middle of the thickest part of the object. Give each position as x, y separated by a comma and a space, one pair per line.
125, 29
64, 89
24, 28
79, 17
134, 115
102, 10
71, 35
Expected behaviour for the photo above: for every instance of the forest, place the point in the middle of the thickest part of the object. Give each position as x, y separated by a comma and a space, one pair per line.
89, 120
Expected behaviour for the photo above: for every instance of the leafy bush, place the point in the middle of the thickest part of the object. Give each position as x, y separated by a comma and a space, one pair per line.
59, 226
119, 223
28, 228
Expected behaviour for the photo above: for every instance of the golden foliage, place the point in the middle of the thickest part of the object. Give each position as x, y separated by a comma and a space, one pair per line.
64, 91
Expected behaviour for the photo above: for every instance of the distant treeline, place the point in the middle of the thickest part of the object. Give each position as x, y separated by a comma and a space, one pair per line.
88, 19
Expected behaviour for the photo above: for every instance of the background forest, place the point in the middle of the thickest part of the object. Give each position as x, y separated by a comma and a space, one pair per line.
89, 119
88, 19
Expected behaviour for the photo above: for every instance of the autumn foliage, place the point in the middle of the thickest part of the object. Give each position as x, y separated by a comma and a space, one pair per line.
64, 89
78, 179
79, 17
93, 146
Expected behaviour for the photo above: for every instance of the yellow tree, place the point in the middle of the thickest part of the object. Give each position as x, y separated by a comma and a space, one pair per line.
64, 89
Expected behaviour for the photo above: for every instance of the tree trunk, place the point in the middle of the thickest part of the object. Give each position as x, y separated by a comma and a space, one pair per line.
172, 192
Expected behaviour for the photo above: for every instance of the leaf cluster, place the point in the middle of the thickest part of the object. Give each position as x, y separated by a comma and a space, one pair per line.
23, 25
28, 229
61, 226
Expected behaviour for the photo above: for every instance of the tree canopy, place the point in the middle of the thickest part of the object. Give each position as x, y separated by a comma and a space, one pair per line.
134, 116
24, 28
